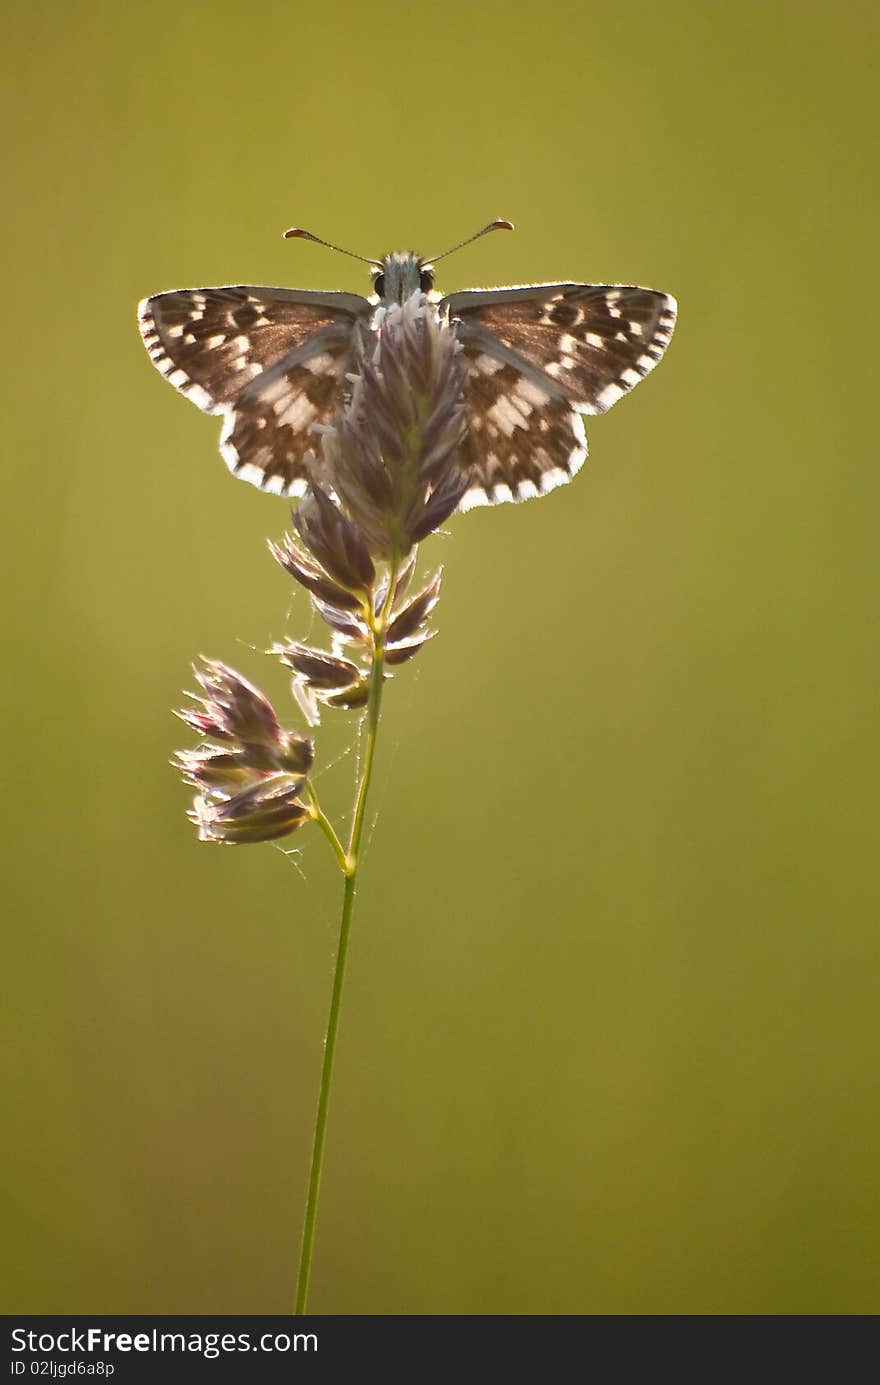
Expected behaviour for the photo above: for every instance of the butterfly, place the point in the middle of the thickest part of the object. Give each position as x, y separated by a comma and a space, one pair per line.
274, 363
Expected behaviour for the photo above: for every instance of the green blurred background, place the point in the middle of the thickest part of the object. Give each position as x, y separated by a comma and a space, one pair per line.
609, 1042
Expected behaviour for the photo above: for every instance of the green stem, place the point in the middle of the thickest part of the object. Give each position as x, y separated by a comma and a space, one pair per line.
308, 1238
348, 863
327, 828
374, 704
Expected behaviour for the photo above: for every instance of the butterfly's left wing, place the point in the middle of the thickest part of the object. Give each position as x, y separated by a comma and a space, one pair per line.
271, 361
540, 356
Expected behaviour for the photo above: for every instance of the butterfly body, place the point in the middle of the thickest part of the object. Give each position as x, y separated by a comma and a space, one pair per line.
274, 362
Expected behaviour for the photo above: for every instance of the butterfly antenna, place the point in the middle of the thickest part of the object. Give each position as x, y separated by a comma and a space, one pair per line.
297, 233
499, 225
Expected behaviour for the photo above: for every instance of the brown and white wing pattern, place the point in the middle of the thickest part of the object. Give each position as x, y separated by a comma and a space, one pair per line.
271, 361
523, 437
539, 357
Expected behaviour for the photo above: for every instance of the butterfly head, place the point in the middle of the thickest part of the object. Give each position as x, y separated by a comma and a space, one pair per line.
401, 274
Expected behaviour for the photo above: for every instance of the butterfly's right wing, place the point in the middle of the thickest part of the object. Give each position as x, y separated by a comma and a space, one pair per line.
539, 356
272, 361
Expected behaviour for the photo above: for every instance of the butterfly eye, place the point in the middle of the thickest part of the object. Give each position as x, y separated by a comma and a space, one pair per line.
379, 285
426, 280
